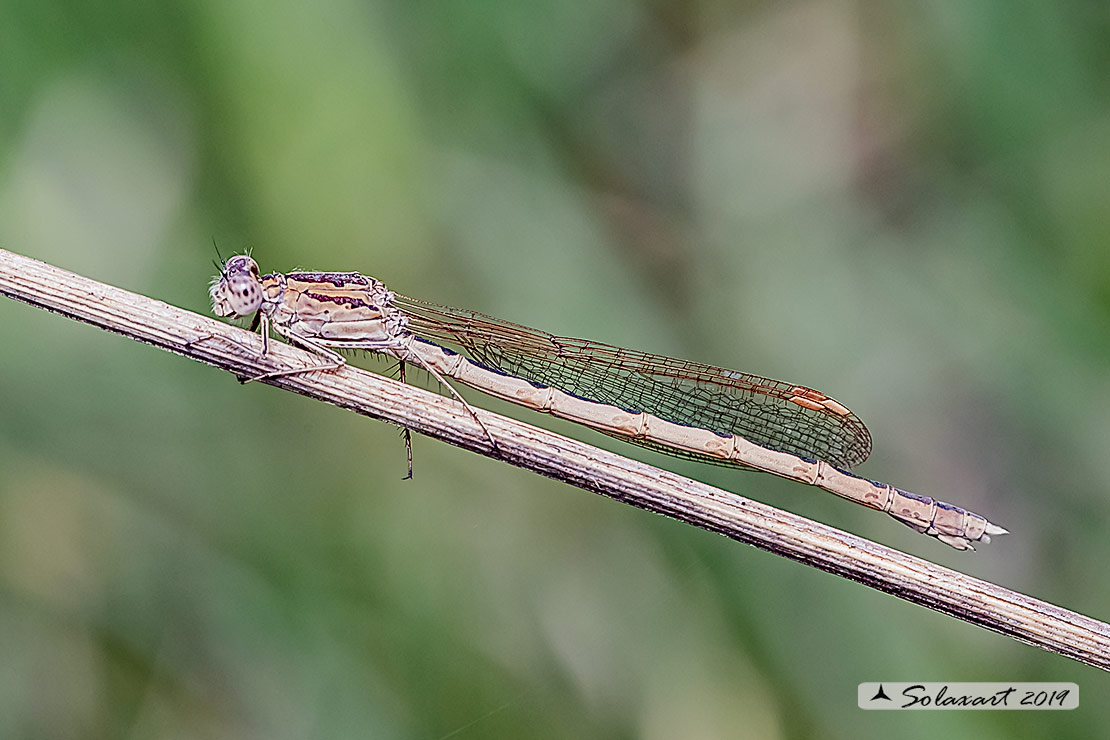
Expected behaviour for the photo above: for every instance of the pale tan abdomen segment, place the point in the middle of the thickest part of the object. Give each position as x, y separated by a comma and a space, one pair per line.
951, 524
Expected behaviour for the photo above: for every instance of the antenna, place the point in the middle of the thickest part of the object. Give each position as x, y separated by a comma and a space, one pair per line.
219, 265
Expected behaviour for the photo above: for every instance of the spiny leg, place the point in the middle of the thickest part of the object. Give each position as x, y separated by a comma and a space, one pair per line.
318, 348
391, 346
253, 327
398, 349
406, 432
232, 341
189, 344
401, 351
417, 360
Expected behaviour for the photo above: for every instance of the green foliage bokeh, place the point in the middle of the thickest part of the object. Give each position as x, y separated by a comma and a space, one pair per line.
904, 205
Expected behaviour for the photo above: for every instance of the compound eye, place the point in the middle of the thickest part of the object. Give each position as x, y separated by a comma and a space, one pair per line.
246, 295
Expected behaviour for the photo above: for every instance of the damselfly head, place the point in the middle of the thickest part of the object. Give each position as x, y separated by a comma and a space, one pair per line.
237, 290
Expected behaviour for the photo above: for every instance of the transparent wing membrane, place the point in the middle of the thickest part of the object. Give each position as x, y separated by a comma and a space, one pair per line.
764, 411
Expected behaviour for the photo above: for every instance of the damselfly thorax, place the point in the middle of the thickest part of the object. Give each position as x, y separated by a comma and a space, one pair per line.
331, 306
674, 406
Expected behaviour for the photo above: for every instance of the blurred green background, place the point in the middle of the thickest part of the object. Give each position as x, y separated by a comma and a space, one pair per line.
906, 205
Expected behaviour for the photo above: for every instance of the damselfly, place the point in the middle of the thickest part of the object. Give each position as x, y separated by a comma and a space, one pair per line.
674, 406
